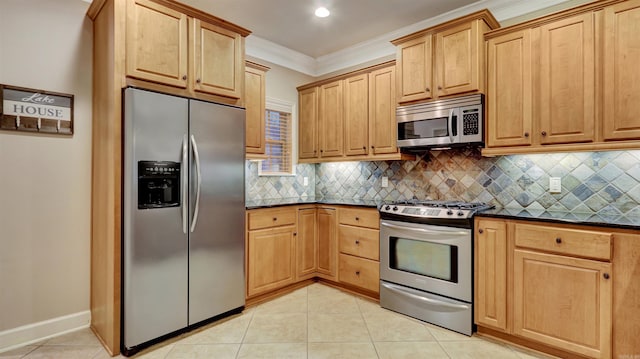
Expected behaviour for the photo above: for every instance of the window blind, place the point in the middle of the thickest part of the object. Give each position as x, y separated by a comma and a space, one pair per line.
277, 144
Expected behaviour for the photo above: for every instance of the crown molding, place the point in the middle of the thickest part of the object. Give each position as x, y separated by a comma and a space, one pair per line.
380, 46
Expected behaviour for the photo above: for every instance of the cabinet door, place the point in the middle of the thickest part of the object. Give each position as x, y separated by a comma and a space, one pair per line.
270, 260
621, 89
457, 60
491, 274
330, 118
156, 39
307, 123
327, 243
563, 302
567, 75
218, 60
382, 111
306, 243
254, 101
509, 111
414, 61
356, 115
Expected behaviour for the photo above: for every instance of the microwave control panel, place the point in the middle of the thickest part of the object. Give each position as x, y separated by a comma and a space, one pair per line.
470, 122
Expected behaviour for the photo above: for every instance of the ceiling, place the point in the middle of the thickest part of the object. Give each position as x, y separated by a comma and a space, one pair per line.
292, 23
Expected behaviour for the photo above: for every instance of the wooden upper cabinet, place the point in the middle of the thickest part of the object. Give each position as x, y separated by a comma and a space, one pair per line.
356, 115
458, 56
509, 90
254, 101
308, 123
330, 119
621, 59
382, 111
414, 61
218, 60
156, 43
567, 80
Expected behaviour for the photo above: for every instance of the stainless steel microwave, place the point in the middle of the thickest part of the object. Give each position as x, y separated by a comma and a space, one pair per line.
442, 123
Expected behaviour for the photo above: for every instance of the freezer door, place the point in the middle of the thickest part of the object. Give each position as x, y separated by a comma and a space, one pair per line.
155, 246
216, 243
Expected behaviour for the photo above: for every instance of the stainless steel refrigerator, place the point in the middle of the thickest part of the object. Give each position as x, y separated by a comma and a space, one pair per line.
183, 214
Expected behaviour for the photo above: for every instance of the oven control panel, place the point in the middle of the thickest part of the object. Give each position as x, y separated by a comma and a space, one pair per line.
426, 212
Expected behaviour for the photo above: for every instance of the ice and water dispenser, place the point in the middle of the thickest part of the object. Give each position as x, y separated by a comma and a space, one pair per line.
158, 184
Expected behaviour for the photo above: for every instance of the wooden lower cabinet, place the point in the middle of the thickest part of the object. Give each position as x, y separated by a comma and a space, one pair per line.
562, 301
270, 258
553, 286
327, 252
360, 272
306, 243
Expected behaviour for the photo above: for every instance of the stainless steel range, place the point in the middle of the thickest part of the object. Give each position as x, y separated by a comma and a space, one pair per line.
426, 261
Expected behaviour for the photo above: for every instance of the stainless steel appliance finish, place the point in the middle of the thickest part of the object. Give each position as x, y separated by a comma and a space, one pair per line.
442, 123
426, 256
183, 214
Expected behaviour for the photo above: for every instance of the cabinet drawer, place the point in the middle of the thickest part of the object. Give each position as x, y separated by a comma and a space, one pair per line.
577, 242
363, 273
259, 219
360, 217
358, 241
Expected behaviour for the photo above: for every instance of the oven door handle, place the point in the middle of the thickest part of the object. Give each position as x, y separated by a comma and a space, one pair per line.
398, 290
422, 230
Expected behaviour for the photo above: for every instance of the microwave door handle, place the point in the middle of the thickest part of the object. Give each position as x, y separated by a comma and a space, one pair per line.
450, 125
431, 301
422, 230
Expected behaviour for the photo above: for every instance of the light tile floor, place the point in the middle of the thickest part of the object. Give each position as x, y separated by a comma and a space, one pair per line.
314, 322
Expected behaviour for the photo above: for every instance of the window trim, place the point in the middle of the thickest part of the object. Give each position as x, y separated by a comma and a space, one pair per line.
288, 107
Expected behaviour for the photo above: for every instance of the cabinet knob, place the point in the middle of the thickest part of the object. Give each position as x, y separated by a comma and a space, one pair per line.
544, 133
558, 240
606, 275
357, 241
184, 77
364, 148
439, 87
358, 272
526, 134
480, 230
321, 151
428, 89
295, 234
357, 218
373, 146
198, 81
275, 218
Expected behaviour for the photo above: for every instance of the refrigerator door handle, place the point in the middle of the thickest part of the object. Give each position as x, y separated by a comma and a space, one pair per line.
185, 189
196, 156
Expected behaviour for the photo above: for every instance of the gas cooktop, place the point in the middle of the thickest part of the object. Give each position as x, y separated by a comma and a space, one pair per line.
434, 209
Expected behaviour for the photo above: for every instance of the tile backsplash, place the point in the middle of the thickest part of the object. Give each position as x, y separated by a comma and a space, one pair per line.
603, 182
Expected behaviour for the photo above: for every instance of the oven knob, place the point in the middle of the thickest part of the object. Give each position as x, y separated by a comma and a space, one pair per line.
450, 212
387, 208
460, 213
395, 208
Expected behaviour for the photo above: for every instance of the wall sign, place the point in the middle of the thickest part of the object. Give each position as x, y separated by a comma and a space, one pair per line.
29, 110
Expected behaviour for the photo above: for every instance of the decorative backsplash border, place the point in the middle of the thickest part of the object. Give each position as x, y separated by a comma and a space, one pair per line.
603, 182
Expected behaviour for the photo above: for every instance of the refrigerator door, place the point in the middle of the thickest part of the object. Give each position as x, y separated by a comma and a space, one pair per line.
216, 243
155, 245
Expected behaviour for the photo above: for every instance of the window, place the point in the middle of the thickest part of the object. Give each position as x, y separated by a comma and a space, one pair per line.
278, 144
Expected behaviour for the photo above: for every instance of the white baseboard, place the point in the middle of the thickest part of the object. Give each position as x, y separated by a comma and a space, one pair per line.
36, 332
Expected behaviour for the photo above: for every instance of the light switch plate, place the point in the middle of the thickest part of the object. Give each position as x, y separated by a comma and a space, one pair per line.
305, 181
555, 185
385, 182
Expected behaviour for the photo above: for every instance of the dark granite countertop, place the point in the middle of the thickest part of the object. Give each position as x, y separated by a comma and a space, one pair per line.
268, 203
591, 219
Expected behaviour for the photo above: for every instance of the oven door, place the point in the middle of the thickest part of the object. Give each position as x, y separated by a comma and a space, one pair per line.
431, 258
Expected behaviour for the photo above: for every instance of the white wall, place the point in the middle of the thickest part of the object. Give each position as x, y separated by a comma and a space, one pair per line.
45, 180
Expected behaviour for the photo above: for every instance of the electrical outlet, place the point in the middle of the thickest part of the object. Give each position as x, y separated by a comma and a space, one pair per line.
555, 185
305, 181
385, 181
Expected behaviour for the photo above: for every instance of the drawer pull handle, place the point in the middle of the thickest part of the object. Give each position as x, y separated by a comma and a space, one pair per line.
480, 230
606, 276
558, 240
358, 272
357, 241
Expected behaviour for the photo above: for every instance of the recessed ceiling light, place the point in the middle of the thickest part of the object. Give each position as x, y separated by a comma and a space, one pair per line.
322, 12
